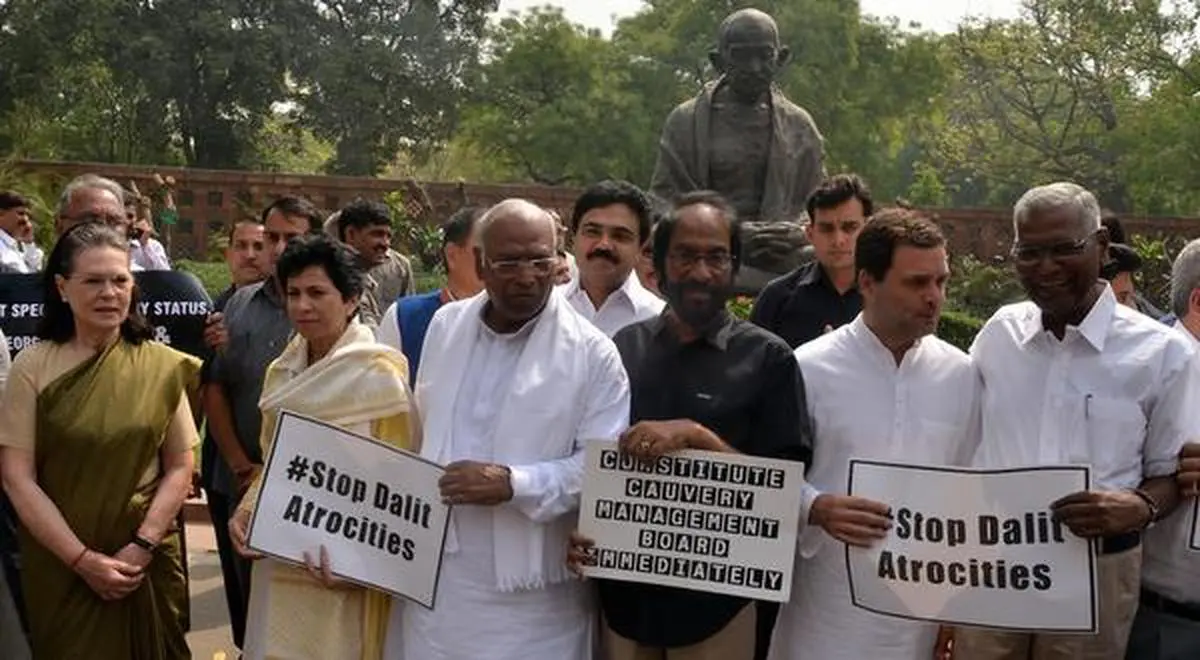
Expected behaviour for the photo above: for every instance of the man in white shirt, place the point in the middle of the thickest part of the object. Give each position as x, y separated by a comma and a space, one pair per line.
1167, 626
611, 221
15, 226
882, 387
1073, 377
144, 249
512, 384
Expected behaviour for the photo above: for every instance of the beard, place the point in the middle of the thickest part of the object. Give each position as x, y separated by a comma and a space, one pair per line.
698, 305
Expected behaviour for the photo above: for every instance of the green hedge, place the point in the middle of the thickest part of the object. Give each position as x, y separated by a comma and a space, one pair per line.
959, 328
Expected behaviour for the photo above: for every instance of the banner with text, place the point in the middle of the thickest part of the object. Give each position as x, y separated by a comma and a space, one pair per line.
174, 302
975, 547
375, 508
724, 523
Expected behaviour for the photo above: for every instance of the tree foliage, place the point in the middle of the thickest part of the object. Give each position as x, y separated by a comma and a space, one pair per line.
1103, 92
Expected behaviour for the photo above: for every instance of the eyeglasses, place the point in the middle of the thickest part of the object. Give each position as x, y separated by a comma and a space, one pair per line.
1032, 254
718, 261
511, 267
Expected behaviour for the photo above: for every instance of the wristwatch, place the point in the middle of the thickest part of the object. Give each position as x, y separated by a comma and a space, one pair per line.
143, 543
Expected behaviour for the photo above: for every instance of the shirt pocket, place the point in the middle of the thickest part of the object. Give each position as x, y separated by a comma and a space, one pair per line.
938, 442
1116, 431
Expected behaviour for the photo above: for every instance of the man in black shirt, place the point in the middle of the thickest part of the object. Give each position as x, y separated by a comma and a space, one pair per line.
700, 379
820, 295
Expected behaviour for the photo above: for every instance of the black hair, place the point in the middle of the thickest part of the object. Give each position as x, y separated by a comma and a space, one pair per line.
607, 193
888, 230
837, 190
296, 206
338, 260
58, 322
10, 199
1116, 231
255, 222
665, 228
361, 214
457, 228
1121, 259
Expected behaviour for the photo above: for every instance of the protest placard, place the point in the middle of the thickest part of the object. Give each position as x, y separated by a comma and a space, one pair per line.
375, 508
724, 523
975, 547
174, 302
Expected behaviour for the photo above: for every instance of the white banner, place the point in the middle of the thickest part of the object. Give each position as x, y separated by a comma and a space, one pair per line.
724, 523
375, 508
975, 547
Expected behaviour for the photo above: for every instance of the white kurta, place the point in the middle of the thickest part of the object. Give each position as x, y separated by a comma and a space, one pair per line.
472, 619
863, 406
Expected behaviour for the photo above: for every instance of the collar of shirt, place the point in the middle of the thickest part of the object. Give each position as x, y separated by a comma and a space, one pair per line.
520, 333
629, 293
6, 240
815, 275
874, 347
1094, 327
1187, 333
717, 334
269, 289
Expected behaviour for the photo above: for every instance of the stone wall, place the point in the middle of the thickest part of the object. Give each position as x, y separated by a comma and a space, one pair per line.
210, 200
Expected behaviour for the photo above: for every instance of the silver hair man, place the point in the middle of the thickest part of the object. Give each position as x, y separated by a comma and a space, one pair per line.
1185, 279
512, 207
88, 182
1055, 196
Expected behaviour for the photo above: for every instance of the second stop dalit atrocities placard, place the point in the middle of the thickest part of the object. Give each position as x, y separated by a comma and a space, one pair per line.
706, 521
975, 547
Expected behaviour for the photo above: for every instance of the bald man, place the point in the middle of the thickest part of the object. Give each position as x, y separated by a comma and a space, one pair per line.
742, 138
512, 383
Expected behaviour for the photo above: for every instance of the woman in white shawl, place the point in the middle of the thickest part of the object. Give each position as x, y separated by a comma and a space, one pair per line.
334, 371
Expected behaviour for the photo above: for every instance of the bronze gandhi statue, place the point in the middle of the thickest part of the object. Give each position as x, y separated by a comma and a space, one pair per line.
744, 139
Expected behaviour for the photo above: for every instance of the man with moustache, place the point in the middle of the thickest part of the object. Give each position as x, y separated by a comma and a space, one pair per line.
1072, 377
406, 321
18, 254
367, 227
611, 220
700, 379
820, 295
884, 388
247, 260
255, 329
1167, 626
512, 384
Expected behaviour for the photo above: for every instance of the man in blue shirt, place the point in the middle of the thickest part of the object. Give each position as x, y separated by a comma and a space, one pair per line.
404, 323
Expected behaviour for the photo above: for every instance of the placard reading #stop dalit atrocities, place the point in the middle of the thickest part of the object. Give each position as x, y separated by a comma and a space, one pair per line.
174, 302
375, 508
723, 523
975, 547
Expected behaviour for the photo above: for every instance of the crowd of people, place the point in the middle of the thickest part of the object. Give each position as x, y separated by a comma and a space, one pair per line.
506, 373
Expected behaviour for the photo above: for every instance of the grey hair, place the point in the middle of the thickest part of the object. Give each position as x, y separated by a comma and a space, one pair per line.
1053, 196
88, 182
512, 207
1185, 278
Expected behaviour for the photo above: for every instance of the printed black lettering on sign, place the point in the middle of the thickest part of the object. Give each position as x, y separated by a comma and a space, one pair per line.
174, 302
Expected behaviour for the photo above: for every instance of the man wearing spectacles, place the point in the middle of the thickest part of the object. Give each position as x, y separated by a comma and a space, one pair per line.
512, 384
1073, 377
700, 379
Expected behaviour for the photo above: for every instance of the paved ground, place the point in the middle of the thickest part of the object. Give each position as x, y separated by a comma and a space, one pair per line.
209, 638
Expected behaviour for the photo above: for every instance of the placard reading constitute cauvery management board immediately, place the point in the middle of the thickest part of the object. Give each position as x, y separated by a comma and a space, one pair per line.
723, 523
375, 508
975, 547
174, 302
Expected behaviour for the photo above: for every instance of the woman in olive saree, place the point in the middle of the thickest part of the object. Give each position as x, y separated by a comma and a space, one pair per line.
97, 433
332, 370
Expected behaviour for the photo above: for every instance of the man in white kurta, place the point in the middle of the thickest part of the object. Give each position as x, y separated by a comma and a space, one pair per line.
884, 388
515, 398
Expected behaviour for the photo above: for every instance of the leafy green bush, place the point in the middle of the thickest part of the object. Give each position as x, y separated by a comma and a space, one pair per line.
979, 289
214, 275
958, 328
